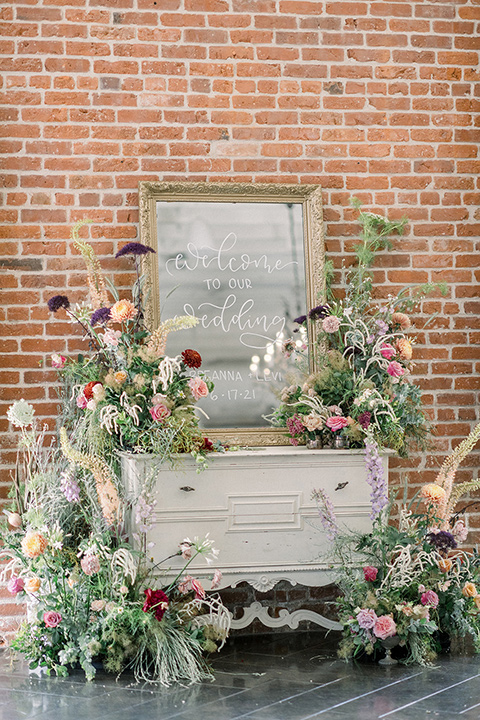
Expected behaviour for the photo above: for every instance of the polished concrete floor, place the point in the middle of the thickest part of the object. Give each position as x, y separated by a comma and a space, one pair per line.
293, 676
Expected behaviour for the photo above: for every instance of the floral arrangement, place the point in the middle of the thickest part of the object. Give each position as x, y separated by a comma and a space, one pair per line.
92, 596
415, 588
361, 390
129, 394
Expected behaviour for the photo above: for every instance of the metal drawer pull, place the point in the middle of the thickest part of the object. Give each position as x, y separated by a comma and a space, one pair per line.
187, 488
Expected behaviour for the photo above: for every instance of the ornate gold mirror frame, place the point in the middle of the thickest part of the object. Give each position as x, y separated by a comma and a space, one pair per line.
154, 199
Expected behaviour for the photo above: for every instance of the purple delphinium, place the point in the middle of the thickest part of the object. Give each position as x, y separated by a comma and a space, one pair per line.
382, 326
327, 513
319, 312
364, 419
442, 540
375, 478
69, 487
100, 316
58, 301
134, 248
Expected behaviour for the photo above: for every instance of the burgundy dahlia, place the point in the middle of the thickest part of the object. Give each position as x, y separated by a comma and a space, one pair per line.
192, 358
157, 601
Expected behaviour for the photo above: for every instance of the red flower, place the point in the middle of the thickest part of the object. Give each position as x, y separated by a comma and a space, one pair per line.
88, 389
155, 600
370, 573
192, 358
207, 445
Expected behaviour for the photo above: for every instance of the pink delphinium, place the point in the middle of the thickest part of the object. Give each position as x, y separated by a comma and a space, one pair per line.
366, 618
384, 627
198, 387
370, 573
395, 369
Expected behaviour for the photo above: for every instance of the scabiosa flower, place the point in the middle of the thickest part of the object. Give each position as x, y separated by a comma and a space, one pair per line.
331, 324
319, 312
364, 419
134, 248
90, 564
327, 513
58, 301
157, 601
442, 540
192, 358
375, 478
100, 316
69, 487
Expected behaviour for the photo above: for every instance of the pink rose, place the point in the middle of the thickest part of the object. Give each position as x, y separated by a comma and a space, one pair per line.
111, 337
370, 573
429, 598
459, 531
52, 619
82, 401
198, 387
395, 369
384, 627
15, 585
160, 412
387, 351
336, 423
58, 361
366, 618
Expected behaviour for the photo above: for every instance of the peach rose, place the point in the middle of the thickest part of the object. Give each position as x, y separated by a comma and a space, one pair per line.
445, 565
432, 492
32, 584
120, 377
34, 544
123, 310
469, 590
384, 627
198, 387
312, 422
476, 600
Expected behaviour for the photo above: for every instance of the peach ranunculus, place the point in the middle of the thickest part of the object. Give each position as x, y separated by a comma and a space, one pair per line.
469, 590
34, 544
312, 422
120, 377
432, 492
476, 600
445, 565
405, 348
32, 584
198, 387
384, 627
123, 310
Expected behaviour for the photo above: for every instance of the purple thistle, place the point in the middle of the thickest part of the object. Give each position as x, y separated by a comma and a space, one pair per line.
364, 419
69, 487
100, 316
319, 312
58, 301
375, 478
300, 319
327, 513
134, 248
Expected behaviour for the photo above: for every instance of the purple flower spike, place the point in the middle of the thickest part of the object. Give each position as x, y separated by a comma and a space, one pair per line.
300, 319
69, 487
375, 478
100, 316
327, 513
134, 248
58, 301
319, 312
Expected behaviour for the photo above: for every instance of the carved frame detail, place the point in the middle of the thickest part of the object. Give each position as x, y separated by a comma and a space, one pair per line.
309, 196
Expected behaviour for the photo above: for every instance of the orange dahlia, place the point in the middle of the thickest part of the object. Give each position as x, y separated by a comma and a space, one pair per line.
123, 310
34, 544
404, 347
432, 492
399, 318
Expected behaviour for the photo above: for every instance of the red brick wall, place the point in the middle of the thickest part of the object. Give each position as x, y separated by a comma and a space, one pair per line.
373, 99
